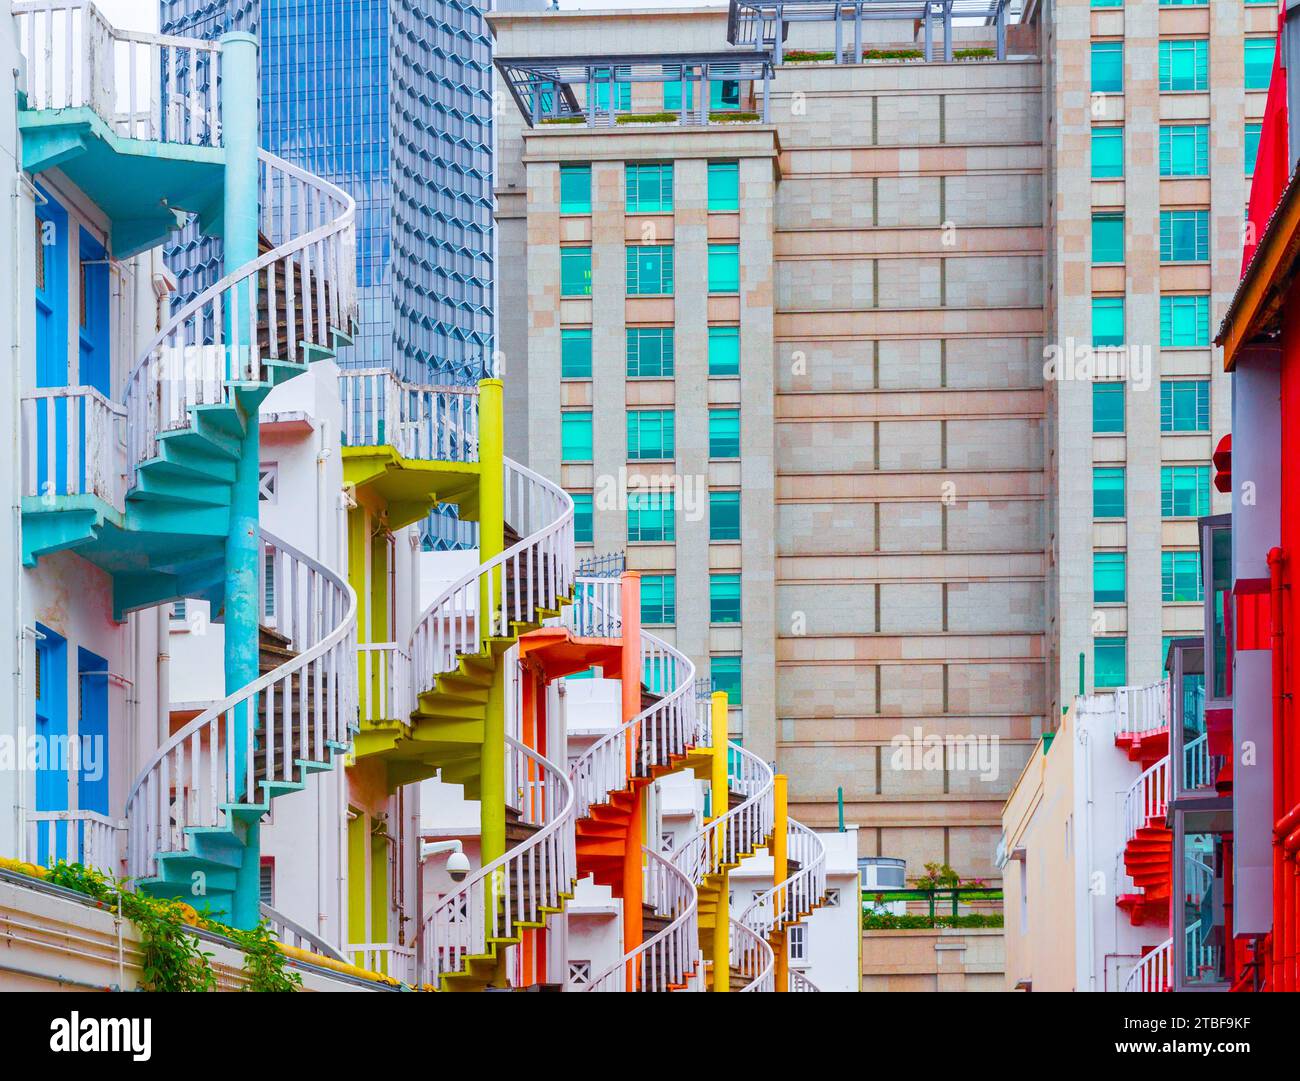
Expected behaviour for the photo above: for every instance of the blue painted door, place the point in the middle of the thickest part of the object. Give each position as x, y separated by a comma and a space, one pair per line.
51, 732
92, 732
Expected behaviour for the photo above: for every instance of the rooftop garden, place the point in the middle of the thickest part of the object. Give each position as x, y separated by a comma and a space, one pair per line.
809, 56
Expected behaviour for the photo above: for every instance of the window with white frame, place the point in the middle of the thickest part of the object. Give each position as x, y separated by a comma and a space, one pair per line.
797, 940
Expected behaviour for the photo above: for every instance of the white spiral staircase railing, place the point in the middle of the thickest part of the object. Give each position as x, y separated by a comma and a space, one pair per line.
1147, 798
520, 887
752, 957
794, 897
293, 934
1140, 710
656, 738
304, 288
531, 575
723, 842
423, 422
670, 959
800, 982
1154, 971
301, 710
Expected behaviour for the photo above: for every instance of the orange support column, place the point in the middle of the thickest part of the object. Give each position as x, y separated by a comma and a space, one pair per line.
780, 872
630, 675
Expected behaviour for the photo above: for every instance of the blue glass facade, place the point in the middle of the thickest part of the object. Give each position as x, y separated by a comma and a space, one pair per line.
392, 100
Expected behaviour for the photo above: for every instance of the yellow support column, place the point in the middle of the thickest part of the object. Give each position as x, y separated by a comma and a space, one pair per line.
492, 787
780, 872
719, 802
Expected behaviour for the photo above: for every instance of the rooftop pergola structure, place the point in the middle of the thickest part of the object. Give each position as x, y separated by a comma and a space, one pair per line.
763, 24
545, 88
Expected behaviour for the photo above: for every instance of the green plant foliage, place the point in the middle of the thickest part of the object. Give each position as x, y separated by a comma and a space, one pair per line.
887, 921
264, 962
172, 958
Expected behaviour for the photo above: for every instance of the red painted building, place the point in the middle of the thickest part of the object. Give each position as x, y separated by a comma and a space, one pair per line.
1253, 604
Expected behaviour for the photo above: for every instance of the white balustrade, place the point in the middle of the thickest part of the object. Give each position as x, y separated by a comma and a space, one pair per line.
420, 422
597, 608
387, 958
529, 576
752, 958
70, 437
1147, 799
293, 934
1153, 972
1200, 957
670, 960
142, 85
84, 837
793, 898
1140, 711
385, 676
1200, 768
301, 710
800, 982
517, 888
300, 291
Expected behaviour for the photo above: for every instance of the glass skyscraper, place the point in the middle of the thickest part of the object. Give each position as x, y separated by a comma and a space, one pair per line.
391, 100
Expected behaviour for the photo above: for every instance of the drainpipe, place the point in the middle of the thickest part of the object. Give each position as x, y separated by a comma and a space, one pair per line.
1089, 943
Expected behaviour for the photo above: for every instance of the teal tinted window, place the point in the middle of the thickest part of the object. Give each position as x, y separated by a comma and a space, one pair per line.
1107, 408
724, 674
650, 188
575, 353
1184, 491
724, 94
1107, 3
1107, 320
1108, 492
724, 185
1107, 67
1108, 238
1185, 405
724, 598
724, 433
1110, 662
724, 516
650, 270
1107, 153
575, 437
724, 268
575, 272
649, 352
1184, 321
650, 516
1184, 150
622, 92
575, 189
582, 528
1259, 62
1108, 577
1180, 577
649, 434
1184, 64
658, 598
724, 350
1252, 146
1184, 236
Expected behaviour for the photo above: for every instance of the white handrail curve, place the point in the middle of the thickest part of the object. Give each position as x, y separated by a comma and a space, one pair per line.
753, 958
724, 841
213, 343
1153, 972
515, 888
669, 959
310, 705
794, 897
1147, 798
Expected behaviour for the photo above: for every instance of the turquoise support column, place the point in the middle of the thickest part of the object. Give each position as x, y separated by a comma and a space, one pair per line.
242, 617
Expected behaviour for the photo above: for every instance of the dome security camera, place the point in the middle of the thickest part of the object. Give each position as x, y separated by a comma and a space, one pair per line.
458, 866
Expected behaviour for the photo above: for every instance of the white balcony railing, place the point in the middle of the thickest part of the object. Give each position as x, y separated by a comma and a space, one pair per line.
1140, 711
385, 671
292, 934
70, 438
423, 423
84, 837
387, 958
800, 982
144, 86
